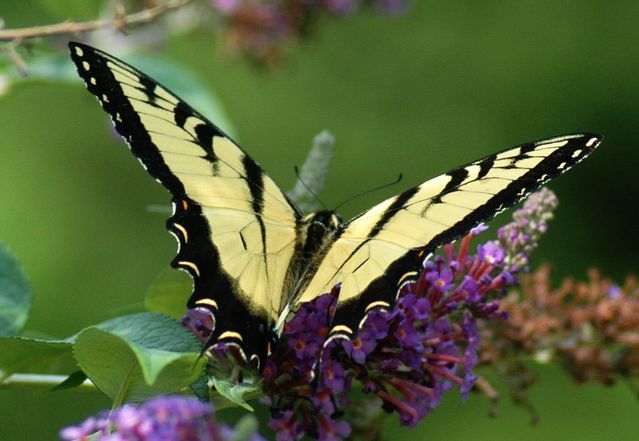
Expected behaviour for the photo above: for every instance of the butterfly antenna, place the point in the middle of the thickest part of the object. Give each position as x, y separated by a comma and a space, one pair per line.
311, 192
381, 187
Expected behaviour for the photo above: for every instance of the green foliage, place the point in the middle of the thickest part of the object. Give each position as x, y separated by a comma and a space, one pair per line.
130, 357
139, 356
201, 388
21, 354
15, 295
63, 9
168, 293
235, 392
245, 428
73, 380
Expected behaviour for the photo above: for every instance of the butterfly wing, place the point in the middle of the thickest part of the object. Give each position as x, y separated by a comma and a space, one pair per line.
236, 230
373, 251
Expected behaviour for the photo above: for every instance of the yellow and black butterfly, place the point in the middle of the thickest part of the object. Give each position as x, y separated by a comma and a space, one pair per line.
253, 256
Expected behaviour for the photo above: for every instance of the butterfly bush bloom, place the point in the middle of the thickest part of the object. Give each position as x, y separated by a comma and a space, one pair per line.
521, 236
167, 418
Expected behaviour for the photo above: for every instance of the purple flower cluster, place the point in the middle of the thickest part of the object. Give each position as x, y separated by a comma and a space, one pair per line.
168, 418
408, 357
260, 28
223, 357
521, 236
201, 322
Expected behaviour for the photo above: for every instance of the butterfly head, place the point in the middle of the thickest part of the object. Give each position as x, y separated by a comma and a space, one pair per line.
322, 224
318, 230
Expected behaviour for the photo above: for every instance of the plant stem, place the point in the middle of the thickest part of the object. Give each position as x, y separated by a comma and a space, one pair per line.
120, 21
124, 389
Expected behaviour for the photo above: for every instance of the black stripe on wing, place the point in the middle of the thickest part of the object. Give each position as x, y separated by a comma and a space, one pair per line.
92, 66
255, 179
212, 287
196, 254
384, 288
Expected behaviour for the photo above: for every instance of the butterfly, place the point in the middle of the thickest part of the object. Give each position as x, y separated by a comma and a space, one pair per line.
253, 256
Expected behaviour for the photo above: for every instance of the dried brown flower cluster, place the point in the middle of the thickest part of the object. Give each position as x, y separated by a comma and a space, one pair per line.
590, 328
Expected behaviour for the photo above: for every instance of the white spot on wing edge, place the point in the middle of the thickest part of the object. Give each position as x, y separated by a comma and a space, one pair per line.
335, 337
185, 233
144, 166
86, 65
177, 239
377, 304
407, 275
78, 51
577, 153
191, 265
231, 334
591, 141
342, 329
208, 302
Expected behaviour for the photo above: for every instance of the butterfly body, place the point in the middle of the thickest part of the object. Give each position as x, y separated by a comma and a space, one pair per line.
316, 232
251, 253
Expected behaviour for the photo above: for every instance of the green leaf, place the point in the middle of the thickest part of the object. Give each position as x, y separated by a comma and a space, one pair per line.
201, 388
235, 392
139, 356
169, 293
15, 294
73, 380
20, 354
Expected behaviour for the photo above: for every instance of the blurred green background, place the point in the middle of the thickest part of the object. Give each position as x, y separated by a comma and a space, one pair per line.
443, 84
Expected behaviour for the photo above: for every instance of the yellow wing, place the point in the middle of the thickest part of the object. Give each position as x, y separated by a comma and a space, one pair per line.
373, 251
236, 230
